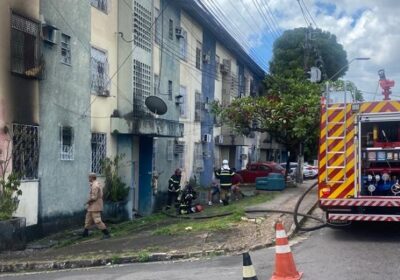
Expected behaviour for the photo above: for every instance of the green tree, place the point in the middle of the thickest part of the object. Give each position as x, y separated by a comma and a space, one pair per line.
300, 48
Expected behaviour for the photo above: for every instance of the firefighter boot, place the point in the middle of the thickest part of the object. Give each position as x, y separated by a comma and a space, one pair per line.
85, 233
106, 234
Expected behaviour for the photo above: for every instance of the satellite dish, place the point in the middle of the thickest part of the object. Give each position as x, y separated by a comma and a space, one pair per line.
156, 105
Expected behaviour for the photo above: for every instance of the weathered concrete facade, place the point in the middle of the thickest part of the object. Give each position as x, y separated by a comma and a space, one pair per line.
65, 115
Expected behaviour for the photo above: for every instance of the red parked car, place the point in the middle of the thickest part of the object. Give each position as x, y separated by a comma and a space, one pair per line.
259, 169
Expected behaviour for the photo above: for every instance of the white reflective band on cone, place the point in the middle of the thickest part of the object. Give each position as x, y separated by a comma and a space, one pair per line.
280, 234
282, 249
248, 271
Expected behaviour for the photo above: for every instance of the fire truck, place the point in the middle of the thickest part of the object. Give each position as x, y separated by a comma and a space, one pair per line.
359, 157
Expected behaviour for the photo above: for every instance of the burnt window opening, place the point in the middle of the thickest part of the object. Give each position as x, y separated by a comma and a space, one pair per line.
100, 84
99, 150
25, 52
65, 49
67, 143
101, 5
171, 29
25, 151
170, 90
198, 55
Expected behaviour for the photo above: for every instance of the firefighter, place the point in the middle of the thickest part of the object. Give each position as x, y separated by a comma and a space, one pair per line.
186, 198
225, 175
174, 188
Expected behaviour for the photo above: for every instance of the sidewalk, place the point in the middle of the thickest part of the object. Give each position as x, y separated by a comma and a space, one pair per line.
256, 231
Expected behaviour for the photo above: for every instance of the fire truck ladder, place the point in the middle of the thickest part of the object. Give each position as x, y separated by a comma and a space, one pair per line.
331, 153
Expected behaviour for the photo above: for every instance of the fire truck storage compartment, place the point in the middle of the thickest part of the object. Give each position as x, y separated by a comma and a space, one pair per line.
380, 154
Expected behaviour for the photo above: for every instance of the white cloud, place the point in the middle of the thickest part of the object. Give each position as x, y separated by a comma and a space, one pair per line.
365, 28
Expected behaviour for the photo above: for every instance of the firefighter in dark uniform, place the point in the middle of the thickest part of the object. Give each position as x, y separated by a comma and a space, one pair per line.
174, 188
186, 198
225, 175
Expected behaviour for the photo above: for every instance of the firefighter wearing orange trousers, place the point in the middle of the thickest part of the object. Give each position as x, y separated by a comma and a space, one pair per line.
95, 207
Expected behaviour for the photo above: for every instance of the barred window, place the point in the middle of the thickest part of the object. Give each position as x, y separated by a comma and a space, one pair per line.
25, 152
171, 29
170, 90
67, 143
65, 49
102, 5
183, 104
183, 43
198, 55
99, 151
156, 81
99, 67
141, 85
197, 111
25, 47
217, 62
170, 150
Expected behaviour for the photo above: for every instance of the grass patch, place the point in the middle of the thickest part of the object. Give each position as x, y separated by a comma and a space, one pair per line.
217, 223
143, 256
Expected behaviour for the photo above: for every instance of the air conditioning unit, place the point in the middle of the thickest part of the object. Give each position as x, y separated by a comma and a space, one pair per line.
206, 138
49, 33
219, 139
179, 32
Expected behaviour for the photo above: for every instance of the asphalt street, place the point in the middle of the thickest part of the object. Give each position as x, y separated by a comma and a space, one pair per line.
364, 251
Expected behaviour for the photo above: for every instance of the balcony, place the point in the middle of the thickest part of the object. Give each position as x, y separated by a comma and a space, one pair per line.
146, 126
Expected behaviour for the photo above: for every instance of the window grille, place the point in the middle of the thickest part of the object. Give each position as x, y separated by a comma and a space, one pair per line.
171, 29
142, 24
25, 47
217, 63
141, 86
25, 152
99, 150
170, 90
157, 26
102, 5
198, 55
156, 81
197, 109
67, 143
65, 49
170, 150
183, 100
99, 67
183, 43
198, 157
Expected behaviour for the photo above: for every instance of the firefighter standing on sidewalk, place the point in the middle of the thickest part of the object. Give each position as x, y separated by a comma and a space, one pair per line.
95, 207
225, 175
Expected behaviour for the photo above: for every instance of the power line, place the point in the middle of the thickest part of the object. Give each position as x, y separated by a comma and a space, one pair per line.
309, 14
308, 23
269, 10
263, 16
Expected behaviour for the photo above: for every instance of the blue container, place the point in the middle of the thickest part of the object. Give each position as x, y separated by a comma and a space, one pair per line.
273, 182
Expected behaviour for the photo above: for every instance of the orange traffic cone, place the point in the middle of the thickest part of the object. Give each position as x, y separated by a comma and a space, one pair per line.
285, 269
248, 270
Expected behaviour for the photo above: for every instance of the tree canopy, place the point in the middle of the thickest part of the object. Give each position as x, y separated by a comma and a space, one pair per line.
301, 48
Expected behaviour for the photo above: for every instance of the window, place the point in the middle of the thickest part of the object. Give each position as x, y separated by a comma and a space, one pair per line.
217, 62
170, 150
102, 5
183, 100
156, 82
183, 42
142, 27
67, 143
198, 55
141, 86
25, 47
99, 70
157, 22
99, 145
197, 107
170, 90
25, 150
171, 29
65, 49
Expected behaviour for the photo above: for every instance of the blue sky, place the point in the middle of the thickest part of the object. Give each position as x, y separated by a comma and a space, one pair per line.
365, 28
